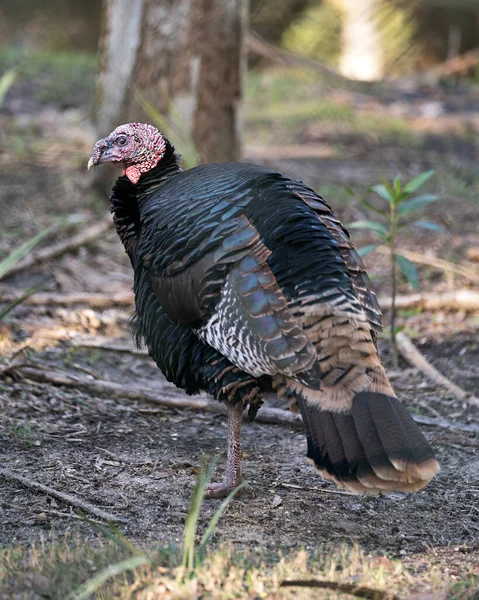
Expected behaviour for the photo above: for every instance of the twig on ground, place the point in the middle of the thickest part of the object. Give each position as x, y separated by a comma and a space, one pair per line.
463, 299
168, 396
446, 424
430, 409
12, 364
93, 300
63, 496
409, 351
59, 513
85, 370
437, 263
106, 343
174, 398
458, 300
87, 236
459, 441
293, 486
358, 591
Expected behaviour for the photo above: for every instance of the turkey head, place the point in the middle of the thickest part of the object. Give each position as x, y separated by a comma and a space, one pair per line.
135, 148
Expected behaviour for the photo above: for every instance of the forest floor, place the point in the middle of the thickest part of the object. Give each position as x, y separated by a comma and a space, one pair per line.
139, 460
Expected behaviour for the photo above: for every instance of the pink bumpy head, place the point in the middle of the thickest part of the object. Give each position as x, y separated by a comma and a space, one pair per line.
135, 147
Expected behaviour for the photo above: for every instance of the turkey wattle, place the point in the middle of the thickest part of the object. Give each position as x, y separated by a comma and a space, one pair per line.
246, 283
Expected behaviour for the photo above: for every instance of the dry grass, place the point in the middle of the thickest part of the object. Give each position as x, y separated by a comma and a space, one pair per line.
54, 571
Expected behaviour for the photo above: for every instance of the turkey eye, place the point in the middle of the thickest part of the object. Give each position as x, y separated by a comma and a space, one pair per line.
121, 141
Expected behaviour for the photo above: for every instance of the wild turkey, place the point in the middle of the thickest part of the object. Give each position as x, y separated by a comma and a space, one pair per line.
246, 283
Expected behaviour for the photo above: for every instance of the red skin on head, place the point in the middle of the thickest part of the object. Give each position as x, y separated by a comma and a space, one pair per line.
133, 174
135, 147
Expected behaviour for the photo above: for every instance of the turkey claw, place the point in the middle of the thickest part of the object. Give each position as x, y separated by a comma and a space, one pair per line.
221, 490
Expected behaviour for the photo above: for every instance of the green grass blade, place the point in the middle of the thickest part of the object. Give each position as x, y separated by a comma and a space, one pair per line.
125, 542
216, 517
7, 263
409, 270
26, 294
6, 82
196, 501
113, 534
349, 191
88, 588
418, 181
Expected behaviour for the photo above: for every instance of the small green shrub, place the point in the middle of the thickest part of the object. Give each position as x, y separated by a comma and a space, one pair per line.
400, 204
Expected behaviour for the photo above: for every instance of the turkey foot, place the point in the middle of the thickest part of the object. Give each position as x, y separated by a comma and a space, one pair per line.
232, 477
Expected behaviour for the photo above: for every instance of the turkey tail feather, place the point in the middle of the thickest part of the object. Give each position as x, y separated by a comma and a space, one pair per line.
376, 447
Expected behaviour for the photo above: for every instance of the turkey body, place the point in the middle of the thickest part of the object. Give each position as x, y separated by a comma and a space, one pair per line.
245, 283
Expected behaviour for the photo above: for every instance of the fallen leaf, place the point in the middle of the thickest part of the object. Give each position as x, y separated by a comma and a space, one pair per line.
277, 501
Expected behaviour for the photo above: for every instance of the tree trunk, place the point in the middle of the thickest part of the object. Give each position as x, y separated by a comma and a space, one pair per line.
118, 46
186, 60
361, 56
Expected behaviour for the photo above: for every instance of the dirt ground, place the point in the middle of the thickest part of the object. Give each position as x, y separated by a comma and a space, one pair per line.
139, 460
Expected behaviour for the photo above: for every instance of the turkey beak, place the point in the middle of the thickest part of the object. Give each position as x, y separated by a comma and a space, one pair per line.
100, 154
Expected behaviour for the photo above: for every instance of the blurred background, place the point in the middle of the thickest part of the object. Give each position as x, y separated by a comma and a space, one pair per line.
354, 97
338, 93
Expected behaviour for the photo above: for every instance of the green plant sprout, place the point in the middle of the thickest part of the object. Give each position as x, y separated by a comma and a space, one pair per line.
193, 555
400, 204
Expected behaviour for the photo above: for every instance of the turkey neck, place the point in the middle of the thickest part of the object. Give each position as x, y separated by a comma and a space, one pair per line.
166, 168
126, 199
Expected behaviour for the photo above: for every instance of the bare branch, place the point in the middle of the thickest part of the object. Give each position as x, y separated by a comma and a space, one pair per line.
457, 65
409, 351
167, 396
107, 343
463, 299
63, 496
94, 300
258, 45
87, 236
172, 397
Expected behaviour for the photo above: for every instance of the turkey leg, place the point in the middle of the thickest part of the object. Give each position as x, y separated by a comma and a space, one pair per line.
232, 477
